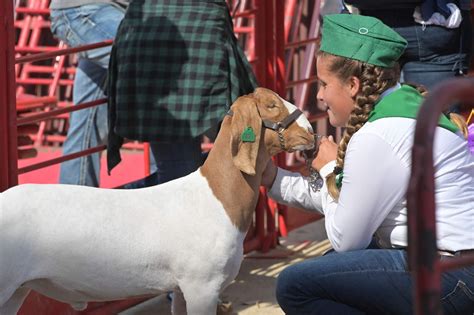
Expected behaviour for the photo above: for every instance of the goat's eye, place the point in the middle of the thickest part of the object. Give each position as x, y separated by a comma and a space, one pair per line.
271, 105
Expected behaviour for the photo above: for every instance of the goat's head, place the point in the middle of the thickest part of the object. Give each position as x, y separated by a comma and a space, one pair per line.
264, 108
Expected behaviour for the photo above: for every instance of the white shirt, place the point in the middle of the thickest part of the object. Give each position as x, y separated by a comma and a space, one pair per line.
372, 199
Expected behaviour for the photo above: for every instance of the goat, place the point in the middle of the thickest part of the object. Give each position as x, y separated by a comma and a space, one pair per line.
79, 244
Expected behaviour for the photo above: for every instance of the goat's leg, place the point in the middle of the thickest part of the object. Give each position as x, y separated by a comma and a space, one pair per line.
178, 305
13, 304
200, 300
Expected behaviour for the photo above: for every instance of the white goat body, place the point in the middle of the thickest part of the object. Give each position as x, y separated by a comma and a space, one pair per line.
78, 244
88, 244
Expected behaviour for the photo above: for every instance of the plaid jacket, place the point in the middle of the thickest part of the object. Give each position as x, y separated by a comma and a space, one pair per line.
175, 69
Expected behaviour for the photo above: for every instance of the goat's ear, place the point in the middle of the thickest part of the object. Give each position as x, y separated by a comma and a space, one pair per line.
244, 145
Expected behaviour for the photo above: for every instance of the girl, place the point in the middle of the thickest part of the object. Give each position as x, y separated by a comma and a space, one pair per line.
365, 179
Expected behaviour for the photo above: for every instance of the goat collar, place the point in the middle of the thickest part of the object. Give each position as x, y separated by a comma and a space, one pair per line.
280, 126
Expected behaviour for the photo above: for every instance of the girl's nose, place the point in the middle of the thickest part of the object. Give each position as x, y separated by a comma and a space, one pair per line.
319, 95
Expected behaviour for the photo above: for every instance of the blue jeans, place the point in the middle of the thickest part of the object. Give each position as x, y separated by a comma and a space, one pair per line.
370, 281
78, 26
433, 54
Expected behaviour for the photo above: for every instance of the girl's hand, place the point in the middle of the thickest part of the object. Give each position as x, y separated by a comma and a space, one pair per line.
327, 152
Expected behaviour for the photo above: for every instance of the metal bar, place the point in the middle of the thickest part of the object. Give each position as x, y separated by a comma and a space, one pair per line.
23, 37
39, 81
238, 17
279, 39
274, 74
67, 51
50, 69
457, 262
422, 251
308, 63
292, 84
36, 100
252, 244
272, 219
114, 307
260, 40
247, 13
250, 47
301, 42
260, 219
32, 11
289, 17
37, 49
146, 156
53, 113
8, 131
60, 159
291, 37
243, 29
56, 74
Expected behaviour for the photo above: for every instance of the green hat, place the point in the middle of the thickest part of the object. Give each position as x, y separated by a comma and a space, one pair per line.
362, 38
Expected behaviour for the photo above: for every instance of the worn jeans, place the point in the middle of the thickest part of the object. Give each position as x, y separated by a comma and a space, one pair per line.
433, 54
370, 281
78, 26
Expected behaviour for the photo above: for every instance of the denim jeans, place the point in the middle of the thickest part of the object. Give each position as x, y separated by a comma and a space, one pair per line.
433, 54
370, 281
78, 26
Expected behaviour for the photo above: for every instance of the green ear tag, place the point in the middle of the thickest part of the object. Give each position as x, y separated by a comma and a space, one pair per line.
248, 135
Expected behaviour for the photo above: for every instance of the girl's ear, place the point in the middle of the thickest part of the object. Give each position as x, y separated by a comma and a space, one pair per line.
354, 85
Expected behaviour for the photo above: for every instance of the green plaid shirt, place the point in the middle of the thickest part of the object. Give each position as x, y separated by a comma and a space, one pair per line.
175, 69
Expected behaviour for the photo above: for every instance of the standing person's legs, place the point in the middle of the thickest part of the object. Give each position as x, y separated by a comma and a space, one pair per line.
372, 281
176, 159
87, 127
78, 26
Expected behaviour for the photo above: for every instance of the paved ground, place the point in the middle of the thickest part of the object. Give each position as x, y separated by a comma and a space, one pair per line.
252, 292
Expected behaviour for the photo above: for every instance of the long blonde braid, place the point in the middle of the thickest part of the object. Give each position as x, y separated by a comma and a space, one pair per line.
374, 80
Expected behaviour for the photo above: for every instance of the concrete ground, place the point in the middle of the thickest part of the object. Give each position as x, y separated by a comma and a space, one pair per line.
252, 292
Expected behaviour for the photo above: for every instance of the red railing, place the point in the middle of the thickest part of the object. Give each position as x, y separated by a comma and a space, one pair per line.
8, 127
424, 261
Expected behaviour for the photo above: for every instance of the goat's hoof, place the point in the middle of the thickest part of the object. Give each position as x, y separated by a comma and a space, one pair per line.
224, 308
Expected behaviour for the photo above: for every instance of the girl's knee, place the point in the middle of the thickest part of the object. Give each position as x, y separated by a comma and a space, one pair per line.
285, 286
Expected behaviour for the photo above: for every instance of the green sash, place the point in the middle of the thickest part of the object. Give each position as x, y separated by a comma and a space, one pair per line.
405, 102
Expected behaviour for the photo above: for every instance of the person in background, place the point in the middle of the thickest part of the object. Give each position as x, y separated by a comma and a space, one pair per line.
175, 69
77, 23
438, 32
364, 184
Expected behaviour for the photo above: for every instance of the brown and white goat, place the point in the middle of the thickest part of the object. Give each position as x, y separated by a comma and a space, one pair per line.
78, 244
